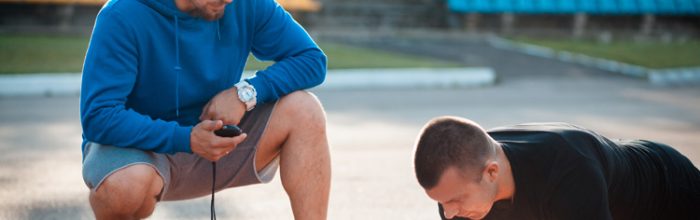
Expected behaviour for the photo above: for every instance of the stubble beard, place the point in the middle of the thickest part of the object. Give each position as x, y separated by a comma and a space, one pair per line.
200, 10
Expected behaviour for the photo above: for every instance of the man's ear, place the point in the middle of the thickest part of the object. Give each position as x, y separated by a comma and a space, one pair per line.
491, 170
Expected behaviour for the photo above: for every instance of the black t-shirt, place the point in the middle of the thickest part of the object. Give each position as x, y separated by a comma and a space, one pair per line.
565, 172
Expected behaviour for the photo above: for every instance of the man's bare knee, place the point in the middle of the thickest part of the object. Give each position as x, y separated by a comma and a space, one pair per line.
298, 115
305, 108
127, 191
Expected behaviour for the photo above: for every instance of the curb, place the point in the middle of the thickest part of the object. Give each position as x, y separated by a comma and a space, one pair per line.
40, 84
61, 84
409, 78
670, 77
656, 77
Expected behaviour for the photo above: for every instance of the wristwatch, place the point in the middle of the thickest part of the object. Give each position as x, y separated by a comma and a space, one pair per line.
247, 94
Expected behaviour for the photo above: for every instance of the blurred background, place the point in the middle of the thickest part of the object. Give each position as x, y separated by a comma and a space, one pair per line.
628, 69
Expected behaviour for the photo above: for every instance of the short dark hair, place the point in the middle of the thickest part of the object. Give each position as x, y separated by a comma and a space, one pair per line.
450, 141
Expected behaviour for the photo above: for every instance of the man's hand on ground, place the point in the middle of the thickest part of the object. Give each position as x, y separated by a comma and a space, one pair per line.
224, 106
206, 144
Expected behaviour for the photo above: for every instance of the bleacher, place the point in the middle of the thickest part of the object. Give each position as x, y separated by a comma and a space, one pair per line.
300, 5
56, 2
622, 7
77, 16
290, 5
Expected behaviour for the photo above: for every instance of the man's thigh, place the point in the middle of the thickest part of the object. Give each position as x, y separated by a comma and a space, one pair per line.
103, 161
186, 175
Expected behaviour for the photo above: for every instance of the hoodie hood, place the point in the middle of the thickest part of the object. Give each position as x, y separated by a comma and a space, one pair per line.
168, 8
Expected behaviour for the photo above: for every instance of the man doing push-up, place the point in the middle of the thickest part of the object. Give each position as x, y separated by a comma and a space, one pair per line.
551, 171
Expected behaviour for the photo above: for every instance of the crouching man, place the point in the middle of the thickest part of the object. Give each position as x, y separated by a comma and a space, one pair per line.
161, 76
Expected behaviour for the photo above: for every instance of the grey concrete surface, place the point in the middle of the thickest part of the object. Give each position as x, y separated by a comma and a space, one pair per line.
371, 133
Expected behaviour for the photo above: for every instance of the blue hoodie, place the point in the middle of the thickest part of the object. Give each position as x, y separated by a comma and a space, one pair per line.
150, 68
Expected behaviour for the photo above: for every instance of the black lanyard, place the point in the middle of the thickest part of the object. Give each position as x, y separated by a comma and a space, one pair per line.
213, 184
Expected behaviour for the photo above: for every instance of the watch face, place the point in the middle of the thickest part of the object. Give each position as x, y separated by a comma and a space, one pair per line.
246, 94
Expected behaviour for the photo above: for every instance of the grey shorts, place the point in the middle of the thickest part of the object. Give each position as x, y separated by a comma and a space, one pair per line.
185, 175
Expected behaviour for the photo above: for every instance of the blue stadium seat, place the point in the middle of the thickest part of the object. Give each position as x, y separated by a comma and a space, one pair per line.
588, 6
458, 6
547, 6
628, 6
568, 6
504, 5
525, 6
666, 6
608, 7
646, 6
689, 7
484, 6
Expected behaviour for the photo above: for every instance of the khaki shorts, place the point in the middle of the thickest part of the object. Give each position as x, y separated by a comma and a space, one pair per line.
185, 175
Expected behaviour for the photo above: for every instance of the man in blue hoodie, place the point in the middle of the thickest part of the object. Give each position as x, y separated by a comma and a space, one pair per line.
160, 76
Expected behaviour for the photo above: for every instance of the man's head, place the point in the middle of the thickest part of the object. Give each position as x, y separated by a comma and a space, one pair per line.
207, 9
455, 162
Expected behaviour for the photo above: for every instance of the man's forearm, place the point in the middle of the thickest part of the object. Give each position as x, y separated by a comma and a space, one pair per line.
291, 74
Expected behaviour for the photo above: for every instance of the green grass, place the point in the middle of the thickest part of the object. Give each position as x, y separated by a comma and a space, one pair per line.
22, 54
342, 57
33, 54
655, 55
345, 57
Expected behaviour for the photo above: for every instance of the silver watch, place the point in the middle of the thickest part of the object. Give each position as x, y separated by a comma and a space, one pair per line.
247, 94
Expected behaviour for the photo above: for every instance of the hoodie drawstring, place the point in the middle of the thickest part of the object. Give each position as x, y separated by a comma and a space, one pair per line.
177, 68
218, 32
